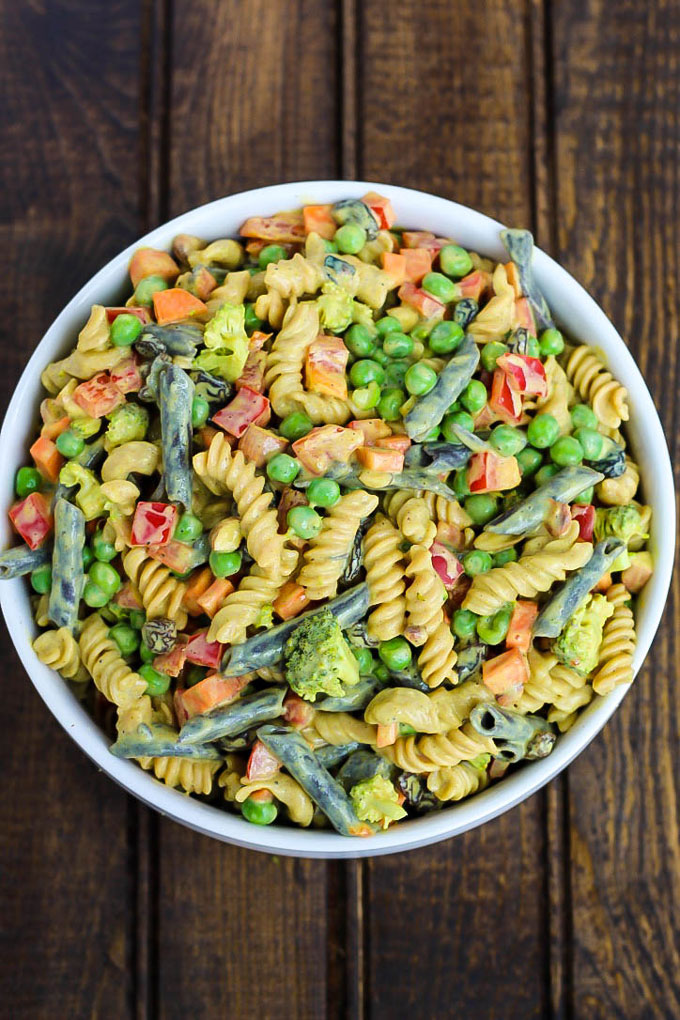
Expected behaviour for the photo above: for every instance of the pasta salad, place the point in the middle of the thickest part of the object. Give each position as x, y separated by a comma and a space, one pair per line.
333, 517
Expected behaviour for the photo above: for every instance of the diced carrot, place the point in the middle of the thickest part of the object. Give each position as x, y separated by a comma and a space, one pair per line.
55, 428
258, 339
525, 315
197, 585
291, 600
211, 600
400, 443
213, 690
512, 273
372, 428
521, 622
47, 458
418, 262
382, 209
395, 266
325, 363
175, 304
318, 218
604, 584
509, 669
375, 459
387, 734
152, 262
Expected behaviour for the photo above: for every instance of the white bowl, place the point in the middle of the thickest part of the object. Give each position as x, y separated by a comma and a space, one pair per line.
574, 310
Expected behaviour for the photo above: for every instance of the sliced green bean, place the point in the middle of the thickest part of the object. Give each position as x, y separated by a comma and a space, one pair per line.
356, 698
516, 736
576, 589
21, 560
174, 340
429, 409
361, 765
229, 720
175, 394
519, 245
530, 513
160, 741
331, 755
68, 579
351, 210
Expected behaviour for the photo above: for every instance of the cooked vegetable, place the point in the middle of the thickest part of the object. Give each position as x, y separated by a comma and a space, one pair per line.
68, 579
317, 658
454, 377
234, 718
561, 606
175, 393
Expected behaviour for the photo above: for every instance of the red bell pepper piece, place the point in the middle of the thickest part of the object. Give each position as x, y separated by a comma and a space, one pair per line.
126, 376
446, 564
153, 523
261, 764
98, 396
584, 513
381, 208
31, 517
141, 313
525, 374
489, 472
423, 302
246, 408
203, 652
504, 400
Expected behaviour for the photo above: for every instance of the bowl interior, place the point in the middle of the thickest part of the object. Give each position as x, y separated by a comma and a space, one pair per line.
580, 317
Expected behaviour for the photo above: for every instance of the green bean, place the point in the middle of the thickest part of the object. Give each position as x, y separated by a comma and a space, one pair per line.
516, 736
176, 393
430, 408
160, 741
528, 515
68, 580
576, 589
236, 717
21, 560
519, 245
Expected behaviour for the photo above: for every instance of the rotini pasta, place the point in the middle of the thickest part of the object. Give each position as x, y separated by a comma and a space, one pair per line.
458, 782
161, 594
59, 650
385, 567
442, 750
425, 597
101, 658
324, 560
594, 383
243, 608
615, 665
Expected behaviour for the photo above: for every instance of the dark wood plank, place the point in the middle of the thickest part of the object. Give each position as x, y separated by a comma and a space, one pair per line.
617, 138
253, 101
70, 118
459, 929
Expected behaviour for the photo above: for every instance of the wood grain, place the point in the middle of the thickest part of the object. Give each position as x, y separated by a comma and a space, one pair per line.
617, 141
71, 136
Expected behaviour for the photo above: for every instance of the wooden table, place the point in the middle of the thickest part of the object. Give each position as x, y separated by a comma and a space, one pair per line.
562, 116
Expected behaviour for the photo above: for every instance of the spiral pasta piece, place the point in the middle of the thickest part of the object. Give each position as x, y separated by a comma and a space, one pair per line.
326, 555
540, 687
437, 659
425, 597
111, 674
438, 712
458, 782
620, 491
443, 750
526, 577
576, 694
615, 664
224, 472
497, 317
385, 568
95, 334
341, 728
192, 776
415, 523
160, 592
230, 778
559, 397
609, 399
322, 409
242, 607
59, 650
285, 281
283, 375
287, 791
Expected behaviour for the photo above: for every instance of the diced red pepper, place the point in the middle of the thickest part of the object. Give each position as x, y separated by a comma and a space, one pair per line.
177, 556
504, 400
98, 396
252, 375
489, 472
258, 339
31, 517
448, 567
325, 363
519, 632
423, 302
296, 711
505, 671
47, 458
372, 428
260, 445
141, 313
126, 376
417, 263
424, 239
525, 315
322, 446
203, 652
261, 764
376, 459
153, 523
525, 374
319, 220
245, 409
283, 227
584, 513
172, 662
474, 284
381, 208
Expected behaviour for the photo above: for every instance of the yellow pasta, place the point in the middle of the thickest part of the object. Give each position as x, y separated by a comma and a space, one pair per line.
437, 659
287, 791
139, 456
619, 491
243, 607
385, 568
95, 334
223, 252
326, 555
102, 659
615, 664
458, 782
609, 399
495, 320
283, 376
285, 281
559, 397
438, 712
341, 728
160, 592
443, 750
59, 650
425, 597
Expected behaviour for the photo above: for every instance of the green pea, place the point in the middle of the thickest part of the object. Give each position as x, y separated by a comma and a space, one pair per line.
330, 246
461, 418
395, 373
454, 260
323, 492
507, 440
188, 528
474, 396
137, 618
388, 324
194, 675
103, 550
125, 329
587, 495
440, 287
69, 444
389, 404
365, 371
156, 682
224, 564
543, 430
493, 629
105, 577
146, 289
359, 341
93, 596
366, 397
432, 436
200, 410
422, 330
350, 238
420, 379
460, 486
145, 653
529, 461
545, 473
476, 562
566, 451
304, 521
283, 468
381, 672
397, 344
364, 658
583, 416
27, 480
504, 556
490, 354
126, 637
264, 812
41, 579
396, 653
270, 253
551, 341
251, 320
117, 613
405, 730
295, 426
464, 624
446, 337
591, 442
380, 357
533, 347
481, 507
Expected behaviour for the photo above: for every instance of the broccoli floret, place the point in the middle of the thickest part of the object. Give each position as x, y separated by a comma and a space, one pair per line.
318, 659
624, 522
89, 497
86, 427
126, 424
362, 314
265, 617
579, 643
336, 307
376, 800
226, 343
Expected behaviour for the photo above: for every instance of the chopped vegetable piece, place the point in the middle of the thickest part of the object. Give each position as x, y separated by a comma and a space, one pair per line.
376, 459
248, 407
32, 519
519, 632
150, 262
99, 396
176, 304
322, 446
153, 523
489, 472
505, 671
203, 652
325, 363
47, 458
